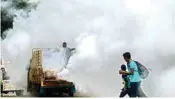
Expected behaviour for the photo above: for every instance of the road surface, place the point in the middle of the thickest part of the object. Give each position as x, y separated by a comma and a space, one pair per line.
28, 95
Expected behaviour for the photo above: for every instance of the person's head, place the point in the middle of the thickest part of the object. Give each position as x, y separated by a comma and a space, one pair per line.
123, 67
3, 69
127, 56
64, 44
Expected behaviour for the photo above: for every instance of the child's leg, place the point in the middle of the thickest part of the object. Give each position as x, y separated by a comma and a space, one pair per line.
123, 93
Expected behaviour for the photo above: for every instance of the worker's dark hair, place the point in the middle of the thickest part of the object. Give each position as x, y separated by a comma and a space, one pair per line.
127, 55
64, 43
123, 67
3, 69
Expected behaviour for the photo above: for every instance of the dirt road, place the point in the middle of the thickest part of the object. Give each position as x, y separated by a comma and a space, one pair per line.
28, 95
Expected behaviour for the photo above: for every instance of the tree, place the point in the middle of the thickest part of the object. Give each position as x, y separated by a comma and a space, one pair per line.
7, 18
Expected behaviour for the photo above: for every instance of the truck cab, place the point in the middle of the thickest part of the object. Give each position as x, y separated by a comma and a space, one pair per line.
7, 86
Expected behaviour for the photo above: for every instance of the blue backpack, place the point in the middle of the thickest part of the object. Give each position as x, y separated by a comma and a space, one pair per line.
142, 70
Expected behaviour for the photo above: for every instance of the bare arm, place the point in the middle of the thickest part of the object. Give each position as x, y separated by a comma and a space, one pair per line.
126, 73
72, 49
132, 66
57, 49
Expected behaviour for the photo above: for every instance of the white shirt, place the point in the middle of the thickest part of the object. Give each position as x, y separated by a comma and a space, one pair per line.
65, 52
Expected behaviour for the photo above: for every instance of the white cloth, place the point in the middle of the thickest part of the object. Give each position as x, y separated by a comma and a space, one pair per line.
65, 52
63, 73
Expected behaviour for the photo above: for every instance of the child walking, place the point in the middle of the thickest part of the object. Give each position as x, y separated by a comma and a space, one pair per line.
126, 82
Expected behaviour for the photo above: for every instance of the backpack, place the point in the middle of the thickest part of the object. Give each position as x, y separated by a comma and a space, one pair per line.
142, 70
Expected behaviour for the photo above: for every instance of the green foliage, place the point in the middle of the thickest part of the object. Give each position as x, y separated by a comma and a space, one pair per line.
7, 19
6, 22
20, 4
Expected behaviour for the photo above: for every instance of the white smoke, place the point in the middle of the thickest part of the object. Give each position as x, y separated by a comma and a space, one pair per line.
166, 83
101, 30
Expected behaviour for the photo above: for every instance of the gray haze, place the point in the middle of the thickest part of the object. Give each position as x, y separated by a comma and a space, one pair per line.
101, 30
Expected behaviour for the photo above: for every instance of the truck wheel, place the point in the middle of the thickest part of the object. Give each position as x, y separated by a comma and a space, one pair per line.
19, 93
71, 93
60, 94
5, 92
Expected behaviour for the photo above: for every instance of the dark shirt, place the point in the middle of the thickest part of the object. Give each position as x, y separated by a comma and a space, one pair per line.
4, 76
126, 81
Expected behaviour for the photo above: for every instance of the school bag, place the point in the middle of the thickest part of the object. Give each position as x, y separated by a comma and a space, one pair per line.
142, 70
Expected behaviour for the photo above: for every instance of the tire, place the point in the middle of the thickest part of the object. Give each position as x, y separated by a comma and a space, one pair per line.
70, 93
19, 93
5, 92
60, 94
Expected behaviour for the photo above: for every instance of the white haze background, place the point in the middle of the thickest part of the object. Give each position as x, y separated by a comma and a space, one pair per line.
101, 30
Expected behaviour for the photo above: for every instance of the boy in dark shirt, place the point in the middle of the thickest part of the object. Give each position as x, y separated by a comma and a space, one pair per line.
4, 74
126, 82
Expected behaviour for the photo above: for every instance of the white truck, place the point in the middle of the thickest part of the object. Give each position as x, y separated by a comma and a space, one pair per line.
7, 86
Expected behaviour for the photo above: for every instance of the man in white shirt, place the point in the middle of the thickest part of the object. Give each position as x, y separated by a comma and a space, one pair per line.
3, 65
66, 53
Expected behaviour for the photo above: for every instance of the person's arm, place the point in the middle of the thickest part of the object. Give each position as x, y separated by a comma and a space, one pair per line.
29, 65
72, 49
132, 67
57, 49
125, 72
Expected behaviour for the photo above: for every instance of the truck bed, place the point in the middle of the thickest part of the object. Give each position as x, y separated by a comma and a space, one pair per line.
55, 83
37, 81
